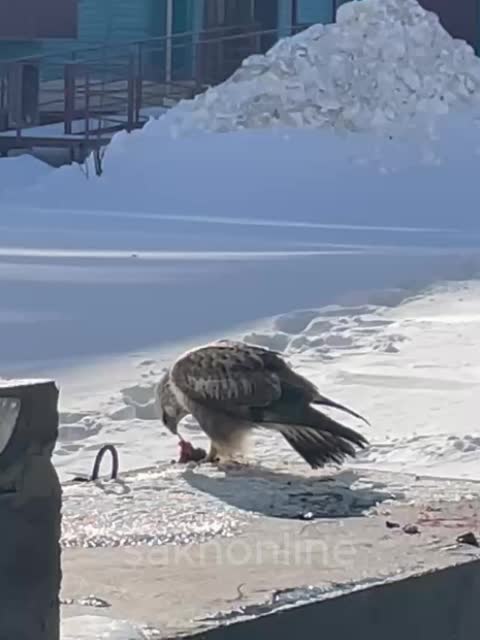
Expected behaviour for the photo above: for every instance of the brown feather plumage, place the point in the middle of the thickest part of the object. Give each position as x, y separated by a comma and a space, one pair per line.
232, 387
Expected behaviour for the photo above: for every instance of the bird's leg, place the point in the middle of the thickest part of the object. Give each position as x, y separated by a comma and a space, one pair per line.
212, 454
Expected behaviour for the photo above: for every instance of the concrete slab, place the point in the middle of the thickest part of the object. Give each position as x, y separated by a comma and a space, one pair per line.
30, 505
265, 556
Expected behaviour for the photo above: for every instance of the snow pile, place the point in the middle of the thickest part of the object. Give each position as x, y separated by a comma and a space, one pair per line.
383, 62
22, 171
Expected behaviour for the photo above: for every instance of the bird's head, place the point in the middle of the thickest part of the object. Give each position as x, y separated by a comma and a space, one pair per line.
167, 405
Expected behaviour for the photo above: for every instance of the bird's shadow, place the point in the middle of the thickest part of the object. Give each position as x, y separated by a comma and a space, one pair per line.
278, 494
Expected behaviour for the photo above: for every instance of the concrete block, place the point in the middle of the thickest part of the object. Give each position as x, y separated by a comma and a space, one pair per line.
30, 507
394, 570
440, 605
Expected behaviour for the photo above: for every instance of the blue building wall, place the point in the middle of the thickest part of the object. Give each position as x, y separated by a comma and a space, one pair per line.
285, 12
307, 12
107, 22
102, 22
110, 21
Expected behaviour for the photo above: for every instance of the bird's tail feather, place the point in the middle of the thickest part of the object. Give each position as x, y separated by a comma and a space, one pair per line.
323, 400
317, 438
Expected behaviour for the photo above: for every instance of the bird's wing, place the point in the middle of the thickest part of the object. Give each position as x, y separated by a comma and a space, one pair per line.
294, 386
227, 375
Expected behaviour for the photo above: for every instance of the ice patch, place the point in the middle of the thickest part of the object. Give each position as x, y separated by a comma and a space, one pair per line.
120, 513
199, 503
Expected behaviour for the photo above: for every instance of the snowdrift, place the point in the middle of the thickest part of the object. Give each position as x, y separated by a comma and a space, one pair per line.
384, 63
387, 71
21, 172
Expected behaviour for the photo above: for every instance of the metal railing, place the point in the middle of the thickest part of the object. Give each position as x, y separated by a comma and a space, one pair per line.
92, 92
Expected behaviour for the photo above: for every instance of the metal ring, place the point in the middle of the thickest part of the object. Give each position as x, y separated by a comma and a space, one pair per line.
98, 462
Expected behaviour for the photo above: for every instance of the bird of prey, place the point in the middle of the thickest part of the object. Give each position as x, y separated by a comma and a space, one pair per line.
231, 388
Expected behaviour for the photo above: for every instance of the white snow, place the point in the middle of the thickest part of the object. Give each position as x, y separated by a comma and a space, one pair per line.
386, 70
344, 179
384, 63
88, 627
57, 129
102, 280
21, 172
296, 178
410, 368
414, 370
